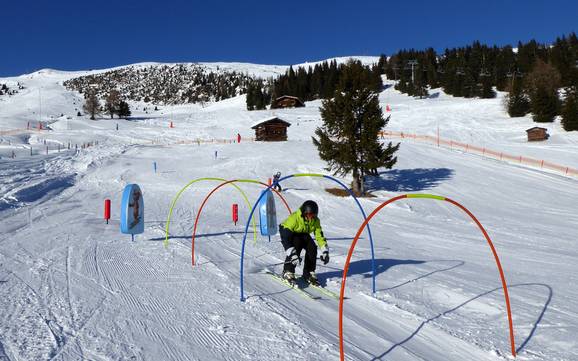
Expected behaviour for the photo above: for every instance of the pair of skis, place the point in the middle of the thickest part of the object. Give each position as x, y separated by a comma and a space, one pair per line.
300, 286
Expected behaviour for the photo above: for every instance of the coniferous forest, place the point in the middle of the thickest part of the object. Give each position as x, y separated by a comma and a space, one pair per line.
541, 79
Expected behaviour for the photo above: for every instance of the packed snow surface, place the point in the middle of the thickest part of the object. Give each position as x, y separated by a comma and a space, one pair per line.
73, 287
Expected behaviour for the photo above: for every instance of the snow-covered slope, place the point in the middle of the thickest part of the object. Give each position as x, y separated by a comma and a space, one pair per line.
73, 287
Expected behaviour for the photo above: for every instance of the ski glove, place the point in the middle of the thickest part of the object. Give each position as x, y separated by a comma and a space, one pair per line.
324, 255
292, 256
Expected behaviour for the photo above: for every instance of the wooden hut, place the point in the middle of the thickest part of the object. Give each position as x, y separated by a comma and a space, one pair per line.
272, 129
537, 133
288, 101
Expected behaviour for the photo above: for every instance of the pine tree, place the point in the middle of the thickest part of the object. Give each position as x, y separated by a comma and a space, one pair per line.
123, 109
250, 97
112, 102
517, 102
570, 110
348, 140
91, 105
301, 84
274, 96
543, 83
486, 91
260, 99
505, 62
430, 62
382, 64
420, 85
544, 105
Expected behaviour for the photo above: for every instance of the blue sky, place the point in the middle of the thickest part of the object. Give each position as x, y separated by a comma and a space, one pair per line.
79, 35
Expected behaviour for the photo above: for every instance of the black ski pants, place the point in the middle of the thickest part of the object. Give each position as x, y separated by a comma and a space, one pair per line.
300, 241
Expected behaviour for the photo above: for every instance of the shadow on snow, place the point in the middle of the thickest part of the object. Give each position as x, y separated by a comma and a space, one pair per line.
408, 180
363, 267
499, 289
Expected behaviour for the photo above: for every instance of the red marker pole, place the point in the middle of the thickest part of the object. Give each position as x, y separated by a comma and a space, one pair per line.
235, 213
107, 210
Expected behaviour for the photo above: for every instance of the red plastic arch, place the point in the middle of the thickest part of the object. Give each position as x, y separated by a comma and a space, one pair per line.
207, 198
362, 227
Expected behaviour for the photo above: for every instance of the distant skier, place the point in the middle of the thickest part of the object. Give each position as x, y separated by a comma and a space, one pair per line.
276, 184
238, 138
295, 236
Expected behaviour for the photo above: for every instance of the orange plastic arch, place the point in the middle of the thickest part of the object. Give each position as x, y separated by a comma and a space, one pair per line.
210, 194
362, 227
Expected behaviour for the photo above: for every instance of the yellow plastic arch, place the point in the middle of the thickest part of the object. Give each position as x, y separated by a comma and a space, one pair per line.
166, 241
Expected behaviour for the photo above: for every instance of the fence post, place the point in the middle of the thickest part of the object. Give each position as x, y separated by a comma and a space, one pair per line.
542, 164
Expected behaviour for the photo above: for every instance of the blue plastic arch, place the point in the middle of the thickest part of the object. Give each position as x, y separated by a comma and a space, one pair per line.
308, 175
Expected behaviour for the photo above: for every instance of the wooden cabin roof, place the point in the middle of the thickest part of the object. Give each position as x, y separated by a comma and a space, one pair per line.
535, 128
273, 119
290, 97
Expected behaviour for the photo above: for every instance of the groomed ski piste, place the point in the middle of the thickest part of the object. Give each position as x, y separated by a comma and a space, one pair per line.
73, 287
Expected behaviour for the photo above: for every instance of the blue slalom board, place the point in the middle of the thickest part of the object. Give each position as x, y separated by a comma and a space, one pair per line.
268, 214
132, 210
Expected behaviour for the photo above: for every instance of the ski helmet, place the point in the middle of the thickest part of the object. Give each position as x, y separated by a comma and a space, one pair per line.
309, 207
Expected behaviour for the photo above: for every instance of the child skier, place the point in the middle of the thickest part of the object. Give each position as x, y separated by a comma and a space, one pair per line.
295, 237
276, 184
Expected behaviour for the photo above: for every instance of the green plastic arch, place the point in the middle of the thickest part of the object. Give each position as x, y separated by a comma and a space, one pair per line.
166, 241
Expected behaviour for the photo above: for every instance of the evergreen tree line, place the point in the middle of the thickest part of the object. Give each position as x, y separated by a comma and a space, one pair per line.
541, 79
321, 81
318, 82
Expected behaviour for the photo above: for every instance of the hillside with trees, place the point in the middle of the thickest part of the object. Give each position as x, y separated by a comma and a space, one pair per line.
534, 74
311, 83
163, 84
10, 88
